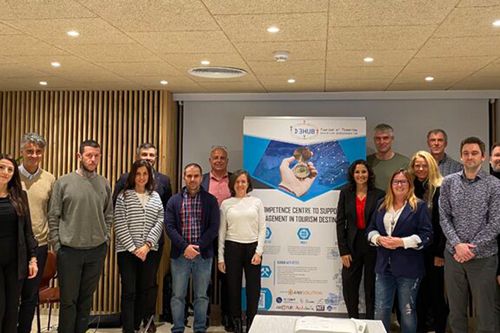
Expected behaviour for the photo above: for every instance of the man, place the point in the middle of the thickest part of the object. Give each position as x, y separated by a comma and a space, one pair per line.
192, 223
38, 184
469, 207
148, 152
437, 140
216, 182
80, 218
495, 167
385, 161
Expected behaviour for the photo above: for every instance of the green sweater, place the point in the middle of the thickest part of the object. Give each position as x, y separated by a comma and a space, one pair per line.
81, 212
383, 169
39, 190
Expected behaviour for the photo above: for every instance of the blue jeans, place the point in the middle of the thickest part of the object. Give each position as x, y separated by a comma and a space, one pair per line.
201, 270
386, 286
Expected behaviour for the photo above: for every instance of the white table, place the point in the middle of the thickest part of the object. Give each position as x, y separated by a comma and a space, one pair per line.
285, 324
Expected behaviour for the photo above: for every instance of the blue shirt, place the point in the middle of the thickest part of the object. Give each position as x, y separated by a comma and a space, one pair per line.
470, 212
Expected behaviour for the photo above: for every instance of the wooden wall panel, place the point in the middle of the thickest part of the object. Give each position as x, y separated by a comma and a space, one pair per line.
118, 120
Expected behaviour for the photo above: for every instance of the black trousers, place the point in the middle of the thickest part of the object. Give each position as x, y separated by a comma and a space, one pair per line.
432, 309
363, 262
152, 288
237, 257
138, 279
29, 293
9, 291
79, 271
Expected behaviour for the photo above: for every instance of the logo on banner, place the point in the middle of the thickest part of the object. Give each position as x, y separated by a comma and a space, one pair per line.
266, 299
304, 130
265, 272
304, 233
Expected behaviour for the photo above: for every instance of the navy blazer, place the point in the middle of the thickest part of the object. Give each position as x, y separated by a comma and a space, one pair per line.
401, 262
210, 216
346, 216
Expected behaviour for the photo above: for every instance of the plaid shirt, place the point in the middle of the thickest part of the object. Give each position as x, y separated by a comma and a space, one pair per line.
191, 217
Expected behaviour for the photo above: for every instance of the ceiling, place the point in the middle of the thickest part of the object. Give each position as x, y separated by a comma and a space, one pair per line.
134, 44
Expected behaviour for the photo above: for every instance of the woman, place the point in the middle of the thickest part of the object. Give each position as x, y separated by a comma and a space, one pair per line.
15, 233
241, 243
432, 309
400, 228
357, 202
138, 227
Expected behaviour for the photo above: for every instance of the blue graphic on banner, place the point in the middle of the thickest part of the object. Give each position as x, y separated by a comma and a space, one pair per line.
331, 159
269, 233
265, 272
304, 233
266, 299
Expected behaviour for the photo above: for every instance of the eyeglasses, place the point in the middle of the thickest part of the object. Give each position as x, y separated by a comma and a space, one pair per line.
399, 182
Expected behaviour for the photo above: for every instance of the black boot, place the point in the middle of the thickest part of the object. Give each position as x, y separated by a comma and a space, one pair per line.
249, 323
227, 322
237, 325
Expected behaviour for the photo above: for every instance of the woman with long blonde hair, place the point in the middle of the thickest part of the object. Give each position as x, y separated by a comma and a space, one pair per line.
432, 310
400, 228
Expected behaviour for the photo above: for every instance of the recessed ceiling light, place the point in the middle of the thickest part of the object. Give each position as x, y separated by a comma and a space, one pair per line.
73, 33
43, 83
55, 64
429, 78
496, 23
205, 62
291, 80
368, 59
164, 82
273, 29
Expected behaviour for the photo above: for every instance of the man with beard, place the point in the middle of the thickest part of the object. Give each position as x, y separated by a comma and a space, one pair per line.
80, 218
469, 207
385, 161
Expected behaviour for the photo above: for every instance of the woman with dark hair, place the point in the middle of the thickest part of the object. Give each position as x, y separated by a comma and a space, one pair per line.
15, 233
138, 227
357, 202
432, 310
241, 243
400, 228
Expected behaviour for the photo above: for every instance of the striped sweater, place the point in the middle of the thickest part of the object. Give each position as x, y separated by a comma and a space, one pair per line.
134, 224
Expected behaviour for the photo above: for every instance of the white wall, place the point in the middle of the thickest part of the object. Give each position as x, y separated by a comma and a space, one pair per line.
217, 122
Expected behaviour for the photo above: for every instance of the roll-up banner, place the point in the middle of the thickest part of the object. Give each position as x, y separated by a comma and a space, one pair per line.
298, 165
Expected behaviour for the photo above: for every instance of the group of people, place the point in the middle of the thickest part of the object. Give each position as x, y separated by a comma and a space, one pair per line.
411, 227
211, 217
400, 224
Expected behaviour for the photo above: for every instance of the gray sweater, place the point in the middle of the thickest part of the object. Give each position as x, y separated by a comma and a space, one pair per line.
81, 212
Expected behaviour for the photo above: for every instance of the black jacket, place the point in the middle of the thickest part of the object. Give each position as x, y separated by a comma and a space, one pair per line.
26, 243
346, 216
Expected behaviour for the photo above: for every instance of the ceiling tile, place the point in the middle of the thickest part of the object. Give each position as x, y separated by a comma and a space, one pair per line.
113, 52
342, 58
185, 41
407, 86
478, 3
478, 82
6, 13
33, 84
92, 31
262, 68
165, 15
141, 68
298, 50
233, 86
10, 70
460, 47
357, 85
13, 45
389, 12
363, 72
473, 21
7, 30
294, 27
379, 38
440, 77
265, 6
304, 82
451, 64
46, 9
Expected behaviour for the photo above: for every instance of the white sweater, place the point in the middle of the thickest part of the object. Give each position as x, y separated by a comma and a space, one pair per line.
243, 221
